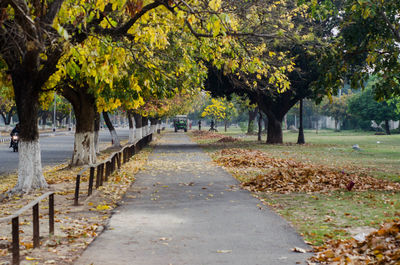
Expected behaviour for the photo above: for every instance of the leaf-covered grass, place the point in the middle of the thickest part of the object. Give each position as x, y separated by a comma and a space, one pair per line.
332, 214
320, 217
331, 148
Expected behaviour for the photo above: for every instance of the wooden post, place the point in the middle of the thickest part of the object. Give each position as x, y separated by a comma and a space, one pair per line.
119, 155
78, 181
91, 178
51, 214
112, 167
98, 176
107, 170
15, 240
35, 212
102, 174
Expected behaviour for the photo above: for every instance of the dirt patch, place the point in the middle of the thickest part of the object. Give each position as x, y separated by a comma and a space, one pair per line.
286, 175
380, 247
75, 226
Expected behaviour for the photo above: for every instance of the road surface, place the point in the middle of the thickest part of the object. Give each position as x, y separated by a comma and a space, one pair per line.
55, 149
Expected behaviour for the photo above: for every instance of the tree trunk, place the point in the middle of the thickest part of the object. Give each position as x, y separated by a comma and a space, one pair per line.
114, 136
131, 128
387, 127
96, 133
145, 123
252, 117
300, 139
226, 125
153, 122
85, 113
158, 126
259, 125
138, 125
336, 125
274, 130
30, 175
44, 120
285, 123
265, 119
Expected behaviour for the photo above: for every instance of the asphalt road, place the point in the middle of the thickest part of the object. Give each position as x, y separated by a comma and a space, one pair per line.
55, 149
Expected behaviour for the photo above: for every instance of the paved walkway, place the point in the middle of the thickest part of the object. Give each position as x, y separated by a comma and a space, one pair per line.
184, 210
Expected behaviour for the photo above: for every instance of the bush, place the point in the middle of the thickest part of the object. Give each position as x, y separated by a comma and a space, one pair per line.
243, 126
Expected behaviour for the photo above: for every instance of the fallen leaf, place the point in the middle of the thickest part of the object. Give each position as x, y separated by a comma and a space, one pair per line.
299, 250
224, 251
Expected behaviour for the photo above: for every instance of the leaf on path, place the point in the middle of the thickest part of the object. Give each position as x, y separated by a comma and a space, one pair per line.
103, 207
299, 250
224, 251
30, 258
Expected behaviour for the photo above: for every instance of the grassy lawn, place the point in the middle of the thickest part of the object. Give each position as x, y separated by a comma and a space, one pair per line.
337, 214
321, 217
379, 155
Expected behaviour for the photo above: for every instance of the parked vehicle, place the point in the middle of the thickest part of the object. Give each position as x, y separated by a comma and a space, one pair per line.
14, 142
180, 123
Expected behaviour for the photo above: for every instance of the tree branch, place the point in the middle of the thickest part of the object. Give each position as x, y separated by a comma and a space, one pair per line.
122, 30
53, 11
395, 31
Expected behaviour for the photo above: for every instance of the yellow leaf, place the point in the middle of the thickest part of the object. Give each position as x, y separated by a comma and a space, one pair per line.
214, 4
102, 207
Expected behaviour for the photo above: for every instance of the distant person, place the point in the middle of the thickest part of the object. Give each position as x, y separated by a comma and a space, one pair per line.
199, 125
14, 131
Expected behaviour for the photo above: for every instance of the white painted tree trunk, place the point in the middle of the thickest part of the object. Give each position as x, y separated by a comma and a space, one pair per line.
84, 149
139, 133
30, 175
115, 139
96, 142
131, 135
144, 131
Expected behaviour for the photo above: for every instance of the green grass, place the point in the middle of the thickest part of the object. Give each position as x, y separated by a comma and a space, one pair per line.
320, 217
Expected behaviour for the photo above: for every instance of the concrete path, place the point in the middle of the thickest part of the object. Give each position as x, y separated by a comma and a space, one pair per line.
185, 210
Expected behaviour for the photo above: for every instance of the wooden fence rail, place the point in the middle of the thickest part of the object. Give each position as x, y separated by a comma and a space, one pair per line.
35, 221
105, 168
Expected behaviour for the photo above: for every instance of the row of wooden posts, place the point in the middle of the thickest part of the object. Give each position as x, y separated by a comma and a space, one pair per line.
103, 170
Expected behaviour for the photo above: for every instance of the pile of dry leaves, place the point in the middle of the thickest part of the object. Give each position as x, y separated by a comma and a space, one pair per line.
206, 135
380, 247
286, 175
228, 139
